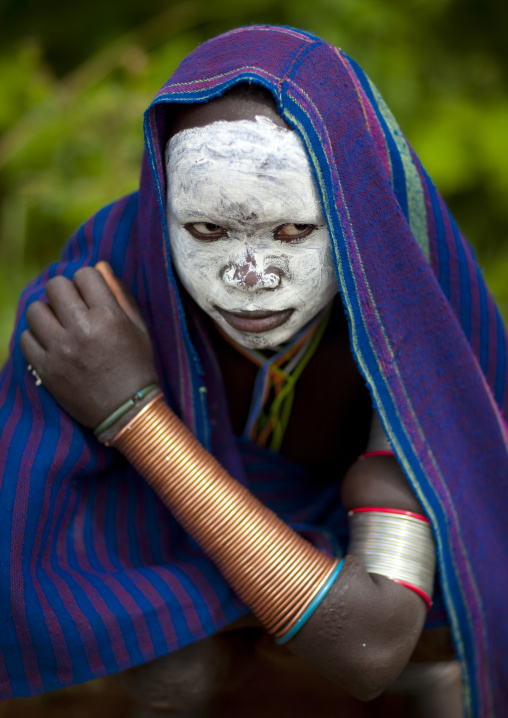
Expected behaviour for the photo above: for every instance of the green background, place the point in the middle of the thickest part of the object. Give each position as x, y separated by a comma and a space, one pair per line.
76, 77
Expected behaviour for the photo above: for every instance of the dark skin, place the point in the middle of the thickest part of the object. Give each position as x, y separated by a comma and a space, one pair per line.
92, 356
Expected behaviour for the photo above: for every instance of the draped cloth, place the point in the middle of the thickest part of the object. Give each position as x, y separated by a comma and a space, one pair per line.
95, 575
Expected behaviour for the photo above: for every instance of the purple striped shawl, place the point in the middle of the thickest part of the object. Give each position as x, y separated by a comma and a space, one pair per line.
95, 575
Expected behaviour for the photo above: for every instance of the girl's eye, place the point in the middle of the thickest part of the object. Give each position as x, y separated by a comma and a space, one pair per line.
206, 230
293, 233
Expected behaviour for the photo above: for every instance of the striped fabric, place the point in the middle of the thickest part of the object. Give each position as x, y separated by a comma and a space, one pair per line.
95, 576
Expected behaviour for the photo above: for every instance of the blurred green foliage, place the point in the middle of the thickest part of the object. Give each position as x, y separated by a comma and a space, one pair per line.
74, 82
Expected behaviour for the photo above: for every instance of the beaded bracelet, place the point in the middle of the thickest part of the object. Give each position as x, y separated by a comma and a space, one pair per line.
124, 408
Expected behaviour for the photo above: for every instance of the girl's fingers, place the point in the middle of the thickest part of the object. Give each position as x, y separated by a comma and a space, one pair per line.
33, 352
44, 325
92, 287
65, 300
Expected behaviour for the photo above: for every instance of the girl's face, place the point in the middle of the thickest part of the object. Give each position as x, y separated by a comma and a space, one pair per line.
247, 234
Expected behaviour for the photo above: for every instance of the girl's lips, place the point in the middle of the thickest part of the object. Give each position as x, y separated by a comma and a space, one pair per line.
256, 321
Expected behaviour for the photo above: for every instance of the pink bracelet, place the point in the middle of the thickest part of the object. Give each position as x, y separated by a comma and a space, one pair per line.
417, 590
384, 510
376, 453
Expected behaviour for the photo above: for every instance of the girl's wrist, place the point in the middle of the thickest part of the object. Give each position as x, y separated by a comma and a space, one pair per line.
108, 434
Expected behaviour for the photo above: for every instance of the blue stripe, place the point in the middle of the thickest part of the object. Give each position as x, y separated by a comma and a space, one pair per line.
443, 252
145, 607
46, 583
80, 594
484, 322
305, 33
35, 613
183, 635
464, 283
14, 662
154, 627
399, 176
123, 232
109, 597
66, 618
106, 593
98, 232
501, 360
80, 241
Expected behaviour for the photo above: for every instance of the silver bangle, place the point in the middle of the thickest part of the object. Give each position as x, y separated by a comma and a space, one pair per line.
396, 544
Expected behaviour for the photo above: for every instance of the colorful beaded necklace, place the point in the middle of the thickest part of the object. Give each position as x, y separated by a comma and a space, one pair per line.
274, 388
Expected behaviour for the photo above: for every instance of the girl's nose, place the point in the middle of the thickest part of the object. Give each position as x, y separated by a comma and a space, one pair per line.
248, 274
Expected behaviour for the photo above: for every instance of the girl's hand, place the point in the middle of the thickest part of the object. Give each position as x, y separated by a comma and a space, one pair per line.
89, 344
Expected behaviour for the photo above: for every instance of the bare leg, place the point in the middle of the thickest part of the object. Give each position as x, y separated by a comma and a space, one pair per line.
434, 688
182, 682
185, 682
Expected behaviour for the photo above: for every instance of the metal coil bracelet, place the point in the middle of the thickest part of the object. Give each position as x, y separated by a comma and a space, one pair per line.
396, 544
275, 571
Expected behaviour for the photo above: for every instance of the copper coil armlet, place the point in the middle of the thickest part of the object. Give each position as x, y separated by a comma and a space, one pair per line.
275, 571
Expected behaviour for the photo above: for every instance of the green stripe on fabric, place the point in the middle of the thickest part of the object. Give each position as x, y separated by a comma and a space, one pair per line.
414, 190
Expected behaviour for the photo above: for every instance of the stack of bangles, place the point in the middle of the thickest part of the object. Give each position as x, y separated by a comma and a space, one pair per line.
394, 543
276, 572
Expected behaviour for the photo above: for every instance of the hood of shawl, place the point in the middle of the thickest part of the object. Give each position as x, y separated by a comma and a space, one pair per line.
358, 154
389, 228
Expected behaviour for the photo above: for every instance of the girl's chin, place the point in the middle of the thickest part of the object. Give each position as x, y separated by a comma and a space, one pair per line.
270, 340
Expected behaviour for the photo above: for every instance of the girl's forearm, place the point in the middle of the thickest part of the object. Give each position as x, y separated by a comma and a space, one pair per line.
364, 629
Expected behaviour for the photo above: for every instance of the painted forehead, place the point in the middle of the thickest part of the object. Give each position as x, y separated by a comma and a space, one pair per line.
254, 145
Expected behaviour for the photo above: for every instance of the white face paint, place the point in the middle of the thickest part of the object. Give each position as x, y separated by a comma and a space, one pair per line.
247, 233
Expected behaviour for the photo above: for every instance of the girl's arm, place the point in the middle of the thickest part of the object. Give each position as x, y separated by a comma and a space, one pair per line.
93, 356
